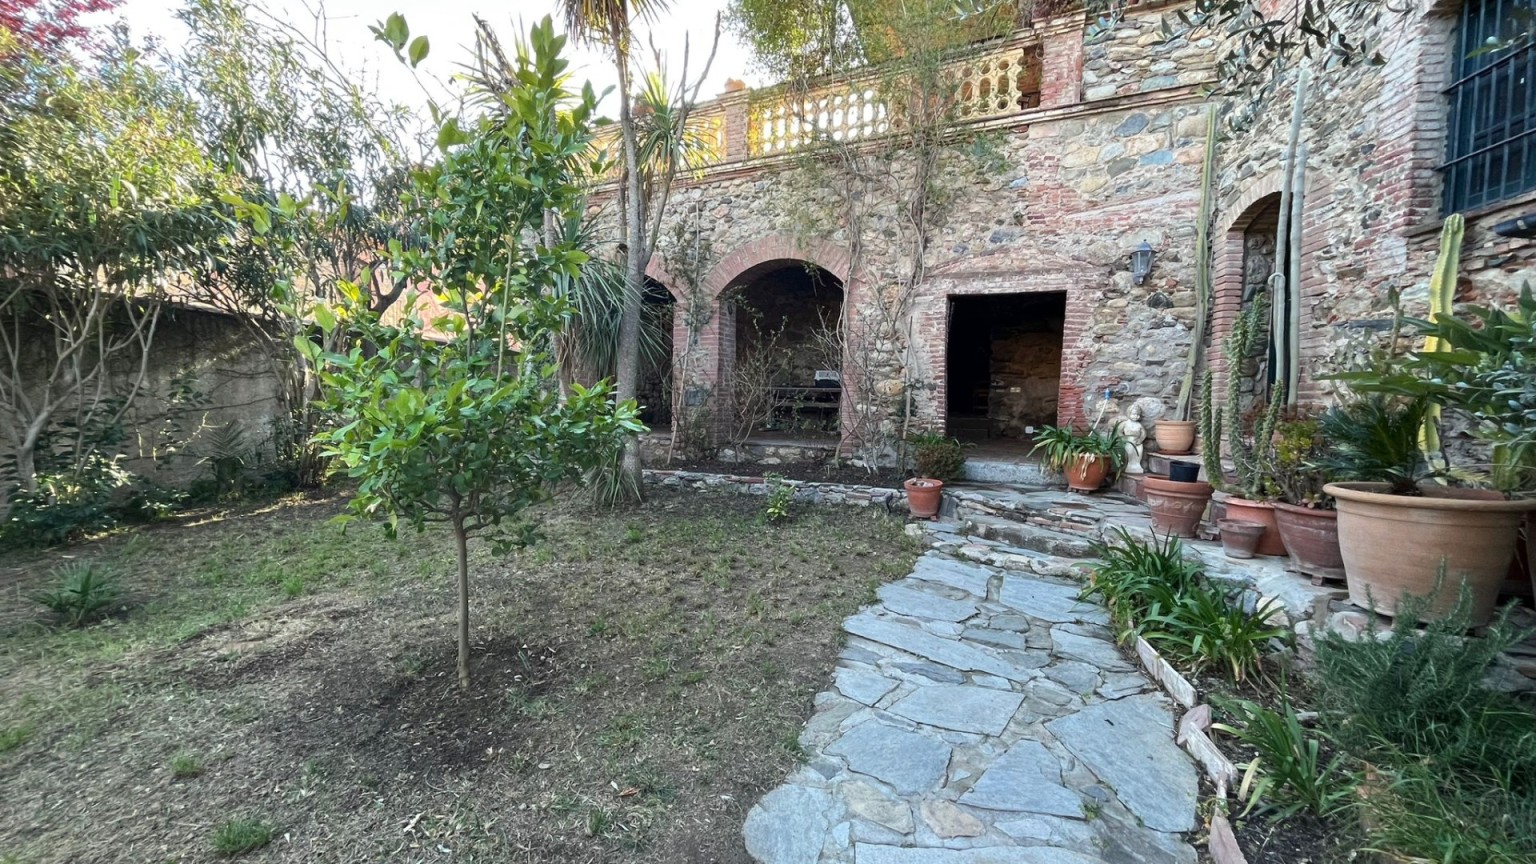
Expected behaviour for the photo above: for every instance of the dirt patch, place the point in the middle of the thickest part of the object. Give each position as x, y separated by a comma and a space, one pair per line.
640, 679
420, 719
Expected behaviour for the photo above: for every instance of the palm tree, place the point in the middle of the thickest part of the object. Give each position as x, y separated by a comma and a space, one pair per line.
610, 23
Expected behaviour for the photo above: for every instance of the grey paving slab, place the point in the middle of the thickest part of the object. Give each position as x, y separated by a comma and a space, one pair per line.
1026, 779
946, 652
863, 685
961, 708
924, 604
866, 853
790, 825
1050, 601
908, 761
1129, 744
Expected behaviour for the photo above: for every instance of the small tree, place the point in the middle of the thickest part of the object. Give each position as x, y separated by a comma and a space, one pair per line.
459, 419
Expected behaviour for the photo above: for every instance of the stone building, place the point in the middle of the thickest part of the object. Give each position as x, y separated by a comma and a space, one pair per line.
1010, 300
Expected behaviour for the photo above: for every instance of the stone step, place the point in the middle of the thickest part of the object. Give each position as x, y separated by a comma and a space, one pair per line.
1020, 473
1036, 538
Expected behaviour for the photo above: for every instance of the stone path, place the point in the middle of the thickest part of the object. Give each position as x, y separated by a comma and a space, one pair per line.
983, 716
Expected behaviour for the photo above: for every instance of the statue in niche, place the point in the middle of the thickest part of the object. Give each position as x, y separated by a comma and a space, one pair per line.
1133, 429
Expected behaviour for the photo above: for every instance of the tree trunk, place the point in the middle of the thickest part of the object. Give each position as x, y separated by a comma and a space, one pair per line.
627, 380
461, 540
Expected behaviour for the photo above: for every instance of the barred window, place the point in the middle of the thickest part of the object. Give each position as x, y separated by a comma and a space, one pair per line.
1491, 152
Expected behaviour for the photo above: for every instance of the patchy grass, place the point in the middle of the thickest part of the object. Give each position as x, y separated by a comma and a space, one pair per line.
641, 677
239, 836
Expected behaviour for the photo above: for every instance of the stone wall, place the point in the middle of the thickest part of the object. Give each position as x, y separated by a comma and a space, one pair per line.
1026, 371
1376, 136
1133, 57
1054, 200
203, 372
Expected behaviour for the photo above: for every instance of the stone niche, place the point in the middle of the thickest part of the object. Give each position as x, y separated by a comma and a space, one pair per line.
1005, 358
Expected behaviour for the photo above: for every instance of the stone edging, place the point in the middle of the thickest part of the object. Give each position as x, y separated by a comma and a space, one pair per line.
1195, 740
806, 491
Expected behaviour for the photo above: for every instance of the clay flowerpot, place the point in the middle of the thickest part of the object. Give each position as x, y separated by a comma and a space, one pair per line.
1176, 507
1398, 544
1175, 437
1311, 538
923, 496
1243, 510
1086, 473
1238, 538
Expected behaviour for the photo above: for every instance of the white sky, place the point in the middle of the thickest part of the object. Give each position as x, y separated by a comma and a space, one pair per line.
448, 26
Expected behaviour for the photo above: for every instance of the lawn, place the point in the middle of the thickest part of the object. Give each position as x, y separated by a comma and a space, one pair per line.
278, 690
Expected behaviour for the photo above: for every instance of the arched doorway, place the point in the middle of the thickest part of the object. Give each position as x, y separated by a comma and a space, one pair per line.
1257, 374
785, 340
655, 386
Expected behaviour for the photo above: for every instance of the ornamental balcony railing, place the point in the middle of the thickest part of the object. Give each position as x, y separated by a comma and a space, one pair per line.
994, 81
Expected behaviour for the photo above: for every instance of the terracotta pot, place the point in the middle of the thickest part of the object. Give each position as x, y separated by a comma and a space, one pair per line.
1176, 507
1239, 538
1243, 510
924, 494
1397, 544
1175, 437
1311, 538
1086, 473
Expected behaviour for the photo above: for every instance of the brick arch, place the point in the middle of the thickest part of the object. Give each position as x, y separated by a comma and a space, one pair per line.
755, 254
1227, 268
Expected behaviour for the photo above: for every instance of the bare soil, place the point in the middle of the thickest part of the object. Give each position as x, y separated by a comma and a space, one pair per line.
641, 677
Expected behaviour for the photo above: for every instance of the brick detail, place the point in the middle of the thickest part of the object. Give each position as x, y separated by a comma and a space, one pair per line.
1061, 64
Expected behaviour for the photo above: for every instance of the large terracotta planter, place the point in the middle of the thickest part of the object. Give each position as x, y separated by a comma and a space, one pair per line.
1086, 473
1263, 513
1176, 507
1174, 437
1397, 544
924, 495
1311, 538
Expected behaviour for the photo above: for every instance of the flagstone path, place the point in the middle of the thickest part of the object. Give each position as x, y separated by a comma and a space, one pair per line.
983, 716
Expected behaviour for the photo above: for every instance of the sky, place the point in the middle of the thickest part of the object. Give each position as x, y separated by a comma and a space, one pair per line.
449, 27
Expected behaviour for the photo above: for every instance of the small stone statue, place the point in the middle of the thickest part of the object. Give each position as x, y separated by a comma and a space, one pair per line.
1134, 431
1135, 436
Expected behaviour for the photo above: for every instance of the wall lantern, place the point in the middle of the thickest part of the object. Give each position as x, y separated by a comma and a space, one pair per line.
1141, 263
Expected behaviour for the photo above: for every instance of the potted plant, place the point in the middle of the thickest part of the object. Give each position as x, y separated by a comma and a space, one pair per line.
936, 459
1239, 539
1305, 515
1399, 534
1086, 459
1249, 488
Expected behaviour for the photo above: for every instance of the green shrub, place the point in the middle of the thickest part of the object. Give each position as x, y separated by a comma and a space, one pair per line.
1206, 626
936, 456
12, 737
1288, 776
239, 836
780, 494
185, 766
1130, 572
86, 590
65, 506
1455, 761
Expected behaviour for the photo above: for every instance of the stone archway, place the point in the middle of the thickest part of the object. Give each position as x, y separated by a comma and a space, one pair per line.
705, 328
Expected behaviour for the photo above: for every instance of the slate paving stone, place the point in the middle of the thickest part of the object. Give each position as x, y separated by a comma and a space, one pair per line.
987, 748
1049, 601
907, 761
861, 685
1026, 779
947, 571
1128, 743
790, 825
963, 709
947, 652
1089, 650
924, 604
865, 853
1075, 676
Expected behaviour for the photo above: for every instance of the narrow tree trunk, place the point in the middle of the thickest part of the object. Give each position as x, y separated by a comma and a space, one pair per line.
628, 371
461, 541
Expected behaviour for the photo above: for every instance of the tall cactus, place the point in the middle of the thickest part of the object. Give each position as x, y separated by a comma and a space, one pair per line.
1285, 288
1442, 294
1203, 287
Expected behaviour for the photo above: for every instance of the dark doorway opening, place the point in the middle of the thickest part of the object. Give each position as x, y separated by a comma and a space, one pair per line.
788, 356
654, 390
1003, 379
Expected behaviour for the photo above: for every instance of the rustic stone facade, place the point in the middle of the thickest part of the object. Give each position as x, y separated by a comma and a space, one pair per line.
1053, 197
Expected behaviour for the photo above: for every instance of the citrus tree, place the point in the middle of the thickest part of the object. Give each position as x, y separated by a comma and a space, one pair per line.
452, 413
